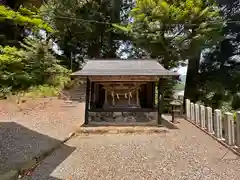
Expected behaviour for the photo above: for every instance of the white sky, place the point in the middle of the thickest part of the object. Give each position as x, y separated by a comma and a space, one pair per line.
182, 70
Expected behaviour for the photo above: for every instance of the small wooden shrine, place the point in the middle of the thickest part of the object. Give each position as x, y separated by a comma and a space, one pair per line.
123, 86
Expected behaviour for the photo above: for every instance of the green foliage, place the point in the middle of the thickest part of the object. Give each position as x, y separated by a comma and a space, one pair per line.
43, 91
179, 86
235, 116
18, 24
220, 67
12, 69
32, 65
226, 107
78, 32
24, 17
173, 30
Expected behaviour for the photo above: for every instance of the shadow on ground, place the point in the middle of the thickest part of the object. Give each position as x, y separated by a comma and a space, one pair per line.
18, 144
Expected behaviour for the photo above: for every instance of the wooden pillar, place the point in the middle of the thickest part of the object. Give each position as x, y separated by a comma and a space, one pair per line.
113, 96
129, 100
160, 101
137, 97
94, 93
106, 101
92, 90
87, 102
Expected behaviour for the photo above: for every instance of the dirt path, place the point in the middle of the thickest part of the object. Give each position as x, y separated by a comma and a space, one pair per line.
36, 127
187, 154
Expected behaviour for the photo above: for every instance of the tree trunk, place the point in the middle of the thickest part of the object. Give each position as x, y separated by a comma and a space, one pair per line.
191, 80
115, 18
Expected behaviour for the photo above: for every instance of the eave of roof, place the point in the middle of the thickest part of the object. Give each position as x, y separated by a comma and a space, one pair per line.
123, 68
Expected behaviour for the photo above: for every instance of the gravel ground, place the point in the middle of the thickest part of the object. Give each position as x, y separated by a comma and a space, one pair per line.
186, 154
39, 125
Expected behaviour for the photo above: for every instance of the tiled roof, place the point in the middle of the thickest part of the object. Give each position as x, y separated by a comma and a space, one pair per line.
124, 67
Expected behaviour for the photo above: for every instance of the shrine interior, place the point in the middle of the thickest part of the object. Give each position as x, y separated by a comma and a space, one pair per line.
116, 96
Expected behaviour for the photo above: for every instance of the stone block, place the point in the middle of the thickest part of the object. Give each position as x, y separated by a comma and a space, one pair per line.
188, 109
229, 129
196, 111
192, 114
202, 117
238, 129
218, 124
209, 121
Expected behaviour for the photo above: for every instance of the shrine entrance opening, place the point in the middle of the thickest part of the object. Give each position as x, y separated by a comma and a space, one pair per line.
121, 95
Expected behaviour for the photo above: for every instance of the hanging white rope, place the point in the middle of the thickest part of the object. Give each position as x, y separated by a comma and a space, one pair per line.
124, 93
130, 94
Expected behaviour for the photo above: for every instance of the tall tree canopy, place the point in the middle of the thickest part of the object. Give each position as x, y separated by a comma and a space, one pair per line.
84, 28
173, 30
17, 24
220, 67
31, 61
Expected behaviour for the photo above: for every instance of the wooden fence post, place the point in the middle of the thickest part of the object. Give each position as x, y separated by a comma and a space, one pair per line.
238, 129
202, 117
229, 128
187, 108
218, 123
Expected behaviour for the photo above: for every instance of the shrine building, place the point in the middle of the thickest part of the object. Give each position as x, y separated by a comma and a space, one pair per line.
123, 86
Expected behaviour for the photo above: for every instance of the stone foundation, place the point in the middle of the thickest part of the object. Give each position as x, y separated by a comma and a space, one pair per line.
122, 116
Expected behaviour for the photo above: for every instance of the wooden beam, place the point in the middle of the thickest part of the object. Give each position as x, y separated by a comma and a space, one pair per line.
159, 118
127, 109
87, 102
123, 78
120, 83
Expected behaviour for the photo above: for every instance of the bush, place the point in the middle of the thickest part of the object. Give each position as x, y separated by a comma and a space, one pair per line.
235, 116
59, 81
226, 107
43, 91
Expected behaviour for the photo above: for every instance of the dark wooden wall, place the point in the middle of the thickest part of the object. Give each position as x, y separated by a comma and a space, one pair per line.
97, 96
147, 95
100, 96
